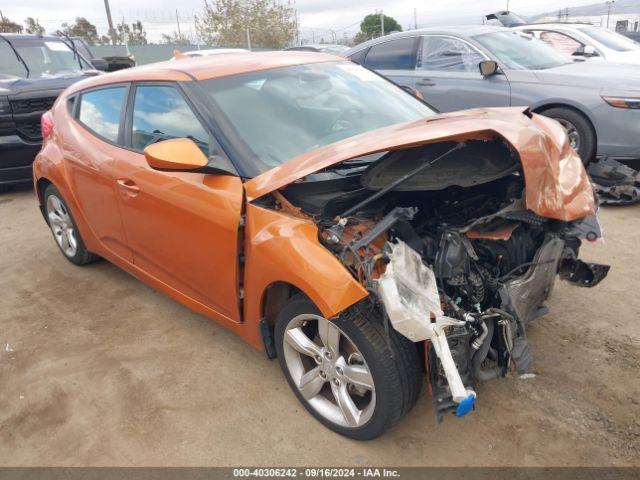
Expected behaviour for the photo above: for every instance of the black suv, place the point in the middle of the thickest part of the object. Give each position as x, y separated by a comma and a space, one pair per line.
34, 69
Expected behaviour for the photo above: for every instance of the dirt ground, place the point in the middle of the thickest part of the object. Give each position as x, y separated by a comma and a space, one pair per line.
98, 369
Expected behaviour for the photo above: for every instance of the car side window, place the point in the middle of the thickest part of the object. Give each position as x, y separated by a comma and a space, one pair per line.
449, 55
100, 111
160, 112
397, 54
358, 57
561, 42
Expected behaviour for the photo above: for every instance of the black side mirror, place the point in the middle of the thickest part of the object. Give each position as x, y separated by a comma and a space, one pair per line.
488, 68
585, 51
100, 64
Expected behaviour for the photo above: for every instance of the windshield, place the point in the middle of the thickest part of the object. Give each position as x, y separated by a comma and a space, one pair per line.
43, 57
610, 39
335, 49
284, 112
520, 51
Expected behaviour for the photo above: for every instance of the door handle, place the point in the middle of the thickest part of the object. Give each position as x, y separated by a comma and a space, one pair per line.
425, 82
129, 186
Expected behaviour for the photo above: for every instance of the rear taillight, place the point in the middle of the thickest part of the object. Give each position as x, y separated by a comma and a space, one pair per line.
46, 124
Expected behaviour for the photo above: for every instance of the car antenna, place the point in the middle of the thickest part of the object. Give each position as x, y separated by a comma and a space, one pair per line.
18, 56
400, 180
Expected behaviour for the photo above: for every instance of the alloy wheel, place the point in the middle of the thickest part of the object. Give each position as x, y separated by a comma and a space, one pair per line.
329, 371
572, 133
62, 226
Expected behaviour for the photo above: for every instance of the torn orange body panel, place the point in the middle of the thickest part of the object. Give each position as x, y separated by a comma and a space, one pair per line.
556, 183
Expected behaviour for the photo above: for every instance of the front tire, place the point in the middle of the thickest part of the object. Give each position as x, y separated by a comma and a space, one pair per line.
347, 372
64, 228
581, 134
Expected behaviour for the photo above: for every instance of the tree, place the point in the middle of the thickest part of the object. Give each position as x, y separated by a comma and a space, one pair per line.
370, 27
360, 37
33, 26
175, 39
7, 26
133, 34
83, 28
266, 23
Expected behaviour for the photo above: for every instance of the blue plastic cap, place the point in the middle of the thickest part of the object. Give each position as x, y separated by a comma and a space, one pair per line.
466, 406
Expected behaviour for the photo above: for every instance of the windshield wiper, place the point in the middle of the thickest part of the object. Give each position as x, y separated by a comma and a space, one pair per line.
72, 46
18, 56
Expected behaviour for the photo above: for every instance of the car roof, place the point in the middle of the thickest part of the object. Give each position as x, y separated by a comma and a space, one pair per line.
459, 30
209, 51
466, 30
29, 36
570, 25
318, 45
206, 67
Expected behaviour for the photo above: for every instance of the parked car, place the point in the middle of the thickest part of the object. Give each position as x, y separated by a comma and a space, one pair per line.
320, 47
177, 55
579, 39
326, 216
486, 66
33, 71
588, 41
110, 63
506, 18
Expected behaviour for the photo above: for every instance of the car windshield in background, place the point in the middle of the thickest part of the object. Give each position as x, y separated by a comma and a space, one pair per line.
43, 57
521, 51
284, 112
610, 39
335, 49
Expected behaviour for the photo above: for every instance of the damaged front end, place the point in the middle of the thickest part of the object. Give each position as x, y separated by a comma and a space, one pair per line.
459, 242
468, 289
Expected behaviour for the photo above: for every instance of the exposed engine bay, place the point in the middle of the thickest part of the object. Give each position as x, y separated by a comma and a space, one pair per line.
441, 237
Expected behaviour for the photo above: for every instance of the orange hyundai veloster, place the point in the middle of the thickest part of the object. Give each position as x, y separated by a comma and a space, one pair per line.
326, 216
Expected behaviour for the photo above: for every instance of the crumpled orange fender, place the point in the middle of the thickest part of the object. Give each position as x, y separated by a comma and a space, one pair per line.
282, 248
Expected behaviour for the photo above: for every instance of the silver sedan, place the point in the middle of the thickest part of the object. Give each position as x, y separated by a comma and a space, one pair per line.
485, 66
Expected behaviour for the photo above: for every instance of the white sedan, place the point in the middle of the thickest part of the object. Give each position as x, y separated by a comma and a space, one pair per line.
586, 40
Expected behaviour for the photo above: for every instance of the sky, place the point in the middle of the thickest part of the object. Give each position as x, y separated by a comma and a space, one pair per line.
317, 18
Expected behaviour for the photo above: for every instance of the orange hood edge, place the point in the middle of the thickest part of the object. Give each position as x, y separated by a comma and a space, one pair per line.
556, 183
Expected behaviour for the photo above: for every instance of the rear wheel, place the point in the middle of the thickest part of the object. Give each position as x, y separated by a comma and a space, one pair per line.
346, 372
581, 134
64, 229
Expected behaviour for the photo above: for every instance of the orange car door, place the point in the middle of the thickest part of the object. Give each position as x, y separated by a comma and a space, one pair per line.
181, 226
90, 150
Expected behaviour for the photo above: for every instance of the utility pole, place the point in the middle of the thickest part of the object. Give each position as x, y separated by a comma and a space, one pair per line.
112, 32
507, 5
248, 39
381, 23
195, 29
178, 22
609, 5
415, 18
